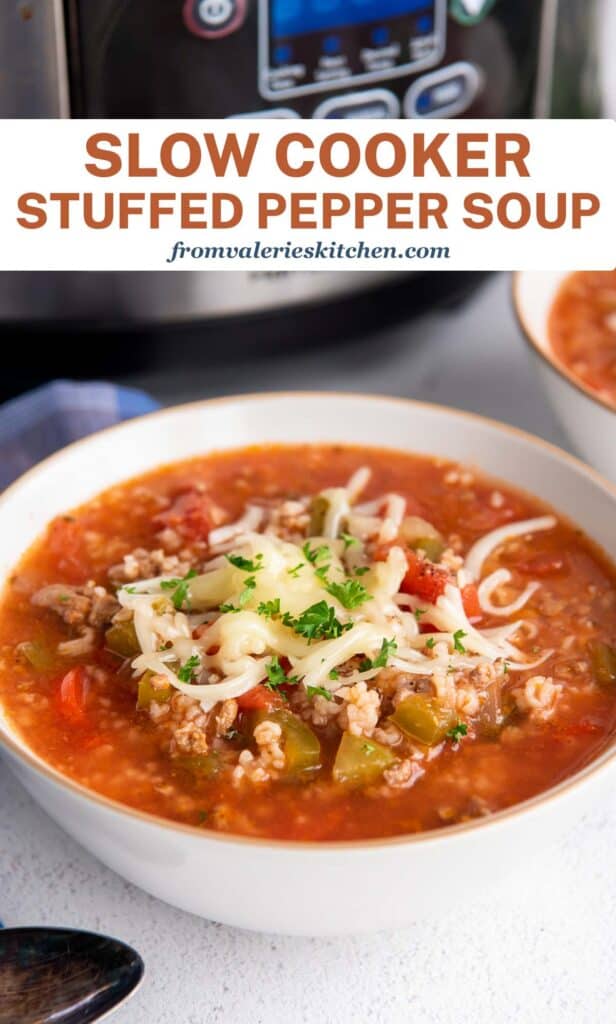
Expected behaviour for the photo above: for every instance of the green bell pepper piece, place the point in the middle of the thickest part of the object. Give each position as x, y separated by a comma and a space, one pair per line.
424, 719
204, 766
301, 747
147, 693
361, 761
318, 510
431, 547
603, 661
38, 655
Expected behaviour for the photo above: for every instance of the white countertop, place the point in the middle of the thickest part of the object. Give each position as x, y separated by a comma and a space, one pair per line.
536, 949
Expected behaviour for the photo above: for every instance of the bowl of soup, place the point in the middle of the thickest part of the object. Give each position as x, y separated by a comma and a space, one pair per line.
269, 647
569, 321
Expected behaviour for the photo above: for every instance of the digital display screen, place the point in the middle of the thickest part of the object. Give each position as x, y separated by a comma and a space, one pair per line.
300, 17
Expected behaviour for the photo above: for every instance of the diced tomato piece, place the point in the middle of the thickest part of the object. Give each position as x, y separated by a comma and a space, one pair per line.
72, 695
257, 699
423, 579
470, 600
190, 514
381, 551
544, 565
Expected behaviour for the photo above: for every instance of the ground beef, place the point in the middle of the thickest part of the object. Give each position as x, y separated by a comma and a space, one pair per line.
142, 565
270, 759
226, 716
78, 606
391, 681
189, 739
360, 713
81, 646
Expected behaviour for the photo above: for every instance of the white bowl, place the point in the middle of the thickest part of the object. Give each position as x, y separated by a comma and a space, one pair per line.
589, 420
300, 888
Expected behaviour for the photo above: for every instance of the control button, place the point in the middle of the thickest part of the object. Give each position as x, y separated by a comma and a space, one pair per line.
425, 24
278, 113
213, 19
372, 103
445, 92
470, 12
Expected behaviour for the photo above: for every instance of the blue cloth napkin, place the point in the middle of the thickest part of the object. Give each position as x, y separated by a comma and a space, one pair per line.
36, 424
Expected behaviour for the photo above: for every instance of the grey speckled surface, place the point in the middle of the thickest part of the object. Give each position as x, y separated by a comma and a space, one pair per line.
539, 948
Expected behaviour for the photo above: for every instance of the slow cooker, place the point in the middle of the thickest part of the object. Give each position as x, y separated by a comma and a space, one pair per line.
331, 59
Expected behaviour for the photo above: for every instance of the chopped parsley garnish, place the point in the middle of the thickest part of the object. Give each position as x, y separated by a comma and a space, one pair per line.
294, 572
351, 593
348, 540
202, 817
387, 649
315, 555
231, 734
322, 572
249, 585
318, 622
246, 564
180, 596
129, 590
319, 691
505, 667
368, 749
276, 676
419, 612
458, 637
269, 609
430, 643
362, 570
457, 732
334, 674
188, 669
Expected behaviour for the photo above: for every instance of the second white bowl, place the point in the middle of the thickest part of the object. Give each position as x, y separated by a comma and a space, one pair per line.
587, 418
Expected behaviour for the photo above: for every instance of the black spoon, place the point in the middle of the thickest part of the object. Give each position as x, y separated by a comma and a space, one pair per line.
61, 976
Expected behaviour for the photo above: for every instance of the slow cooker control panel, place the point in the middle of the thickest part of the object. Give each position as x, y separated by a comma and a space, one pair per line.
344, 59
305, 58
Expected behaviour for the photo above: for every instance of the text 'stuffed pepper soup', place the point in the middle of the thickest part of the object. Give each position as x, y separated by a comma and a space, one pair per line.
312, 643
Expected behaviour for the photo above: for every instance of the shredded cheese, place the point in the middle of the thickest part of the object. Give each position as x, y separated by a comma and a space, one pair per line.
497, 579
245, 608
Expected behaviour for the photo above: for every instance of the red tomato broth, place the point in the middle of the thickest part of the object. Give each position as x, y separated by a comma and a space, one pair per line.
582, 330
114, 748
